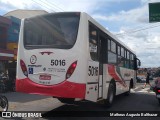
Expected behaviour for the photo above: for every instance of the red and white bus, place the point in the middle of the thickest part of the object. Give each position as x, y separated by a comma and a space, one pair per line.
69, 55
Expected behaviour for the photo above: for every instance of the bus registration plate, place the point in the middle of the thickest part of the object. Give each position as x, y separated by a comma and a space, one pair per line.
45, 77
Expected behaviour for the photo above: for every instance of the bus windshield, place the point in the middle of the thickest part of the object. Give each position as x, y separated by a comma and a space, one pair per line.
51, 31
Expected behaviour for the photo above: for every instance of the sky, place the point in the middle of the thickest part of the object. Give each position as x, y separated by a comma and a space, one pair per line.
128, 20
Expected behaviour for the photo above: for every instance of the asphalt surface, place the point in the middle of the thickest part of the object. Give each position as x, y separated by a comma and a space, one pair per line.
140, 100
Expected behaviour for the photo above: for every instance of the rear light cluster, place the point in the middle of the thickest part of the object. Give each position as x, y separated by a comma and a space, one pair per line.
158, 91
71, 69
24, 68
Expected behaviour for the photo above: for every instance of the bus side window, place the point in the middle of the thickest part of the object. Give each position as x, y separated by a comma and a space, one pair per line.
93, 43
112, 55
127, 64
120, 58
132, 61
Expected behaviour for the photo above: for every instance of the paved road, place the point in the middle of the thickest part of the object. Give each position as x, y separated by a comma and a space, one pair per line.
30, 102
139, 100
142, 100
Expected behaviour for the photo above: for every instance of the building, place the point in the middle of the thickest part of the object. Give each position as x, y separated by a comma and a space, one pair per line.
4, 25
14, 28
9, 36
13, 34
5, 54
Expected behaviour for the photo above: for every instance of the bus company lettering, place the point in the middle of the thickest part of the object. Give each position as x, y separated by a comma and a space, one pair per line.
34, 65
127, 74
56, 70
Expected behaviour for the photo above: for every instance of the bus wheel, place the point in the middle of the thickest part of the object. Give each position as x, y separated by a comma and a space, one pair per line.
111, 95
66, 100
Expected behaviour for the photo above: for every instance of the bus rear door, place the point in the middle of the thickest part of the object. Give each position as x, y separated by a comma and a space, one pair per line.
94, 87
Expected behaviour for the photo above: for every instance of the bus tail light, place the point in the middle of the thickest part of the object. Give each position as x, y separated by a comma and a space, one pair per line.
24, 68
71, 69
158, 91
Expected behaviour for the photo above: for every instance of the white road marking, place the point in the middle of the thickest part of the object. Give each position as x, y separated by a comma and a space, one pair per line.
145, 90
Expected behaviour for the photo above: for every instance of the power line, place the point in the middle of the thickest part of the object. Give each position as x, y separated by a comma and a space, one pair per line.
141, 27
43, 6
133, 31
56, 6
49, 5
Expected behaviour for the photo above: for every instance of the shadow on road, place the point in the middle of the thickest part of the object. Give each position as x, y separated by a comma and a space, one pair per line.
22, 97
136, 102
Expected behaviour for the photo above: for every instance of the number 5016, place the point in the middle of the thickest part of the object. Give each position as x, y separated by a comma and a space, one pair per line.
58, 62
93, 71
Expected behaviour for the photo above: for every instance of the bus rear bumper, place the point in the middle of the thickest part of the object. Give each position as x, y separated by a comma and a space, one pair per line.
65, 89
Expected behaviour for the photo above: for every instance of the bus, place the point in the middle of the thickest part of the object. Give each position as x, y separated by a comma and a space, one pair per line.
70, 56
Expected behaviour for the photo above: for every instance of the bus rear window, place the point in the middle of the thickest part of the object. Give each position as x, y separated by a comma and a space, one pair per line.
51, 31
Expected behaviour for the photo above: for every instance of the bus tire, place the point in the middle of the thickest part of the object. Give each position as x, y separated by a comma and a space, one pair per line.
111, 94
66, 100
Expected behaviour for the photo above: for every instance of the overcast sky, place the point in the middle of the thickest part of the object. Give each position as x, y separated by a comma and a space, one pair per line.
127, 19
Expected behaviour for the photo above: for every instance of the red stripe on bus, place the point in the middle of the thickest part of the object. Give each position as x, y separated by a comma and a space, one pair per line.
65, 89
112, 72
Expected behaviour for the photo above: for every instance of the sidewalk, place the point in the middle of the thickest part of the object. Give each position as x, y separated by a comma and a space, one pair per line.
30, 102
